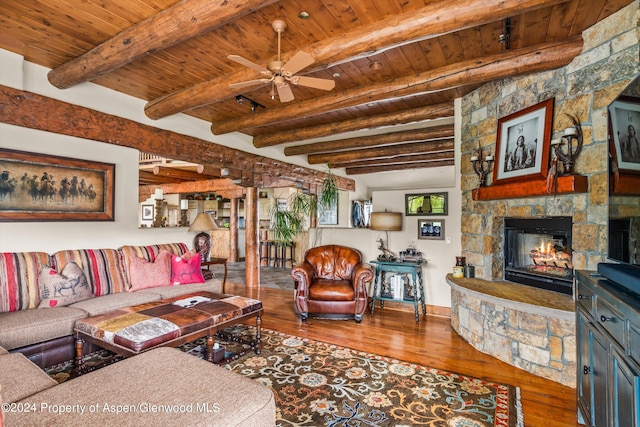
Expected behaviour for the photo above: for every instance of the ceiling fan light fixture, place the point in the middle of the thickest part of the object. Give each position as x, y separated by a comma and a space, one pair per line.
239, 99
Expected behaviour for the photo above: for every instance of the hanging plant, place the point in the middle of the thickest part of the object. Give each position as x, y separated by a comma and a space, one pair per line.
328, 191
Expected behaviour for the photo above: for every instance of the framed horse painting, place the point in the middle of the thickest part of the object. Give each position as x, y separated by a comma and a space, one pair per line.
41, 187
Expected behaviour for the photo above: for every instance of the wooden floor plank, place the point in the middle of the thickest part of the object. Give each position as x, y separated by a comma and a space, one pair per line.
431, 342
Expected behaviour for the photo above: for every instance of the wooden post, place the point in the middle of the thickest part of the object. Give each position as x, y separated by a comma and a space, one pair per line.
252, 257
233, 229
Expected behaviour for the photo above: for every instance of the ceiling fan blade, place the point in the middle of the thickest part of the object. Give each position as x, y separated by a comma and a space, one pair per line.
248, 83
299, 61
314, 82
284, 92
240, 60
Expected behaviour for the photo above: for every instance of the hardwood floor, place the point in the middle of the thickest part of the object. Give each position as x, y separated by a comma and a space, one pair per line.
431, 342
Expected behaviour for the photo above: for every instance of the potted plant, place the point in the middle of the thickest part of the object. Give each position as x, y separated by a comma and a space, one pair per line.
287, 221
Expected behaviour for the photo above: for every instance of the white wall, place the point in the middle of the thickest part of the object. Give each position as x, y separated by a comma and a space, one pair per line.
385, 190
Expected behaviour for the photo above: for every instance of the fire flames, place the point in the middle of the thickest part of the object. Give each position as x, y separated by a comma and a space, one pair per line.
550, 254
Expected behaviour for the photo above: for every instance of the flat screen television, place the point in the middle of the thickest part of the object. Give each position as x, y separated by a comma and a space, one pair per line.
623, 228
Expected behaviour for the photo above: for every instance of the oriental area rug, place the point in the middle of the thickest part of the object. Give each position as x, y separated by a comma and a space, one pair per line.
320, 384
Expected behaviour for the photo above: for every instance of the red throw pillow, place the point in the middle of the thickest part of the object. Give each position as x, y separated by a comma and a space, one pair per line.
186, 270
145, 274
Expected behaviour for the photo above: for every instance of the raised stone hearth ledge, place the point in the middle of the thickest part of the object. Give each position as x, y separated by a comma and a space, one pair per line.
529, 328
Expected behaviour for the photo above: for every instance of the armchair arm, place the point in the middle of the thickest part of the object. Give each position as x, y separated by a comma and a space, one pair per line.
303, 273
362, 274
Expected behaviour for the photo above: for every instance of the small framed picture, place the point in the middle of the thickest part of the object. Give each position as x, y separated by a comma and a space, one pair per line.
625, 123
522, 144
431, 229
329, 215
147, 212
283, 204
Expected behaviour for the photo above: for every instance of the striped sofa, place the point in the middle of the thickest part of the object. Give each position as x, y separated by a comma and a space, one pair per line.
45, 335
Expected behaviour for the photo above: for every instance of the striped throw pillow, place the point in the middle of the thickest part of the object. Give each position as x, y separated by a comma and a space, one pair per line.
102, 267
19, 289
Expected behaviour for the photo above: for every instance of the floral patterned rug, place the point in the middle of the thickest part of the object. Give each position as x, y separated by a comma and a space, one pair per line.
320, 384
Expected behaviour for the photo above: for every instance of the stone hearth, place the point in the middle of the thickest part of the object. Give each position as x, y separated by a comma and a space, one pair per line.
532, 329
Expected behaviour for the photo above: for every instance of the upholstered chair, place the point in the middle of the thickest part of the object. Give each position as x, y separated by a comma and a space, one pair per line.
331, 282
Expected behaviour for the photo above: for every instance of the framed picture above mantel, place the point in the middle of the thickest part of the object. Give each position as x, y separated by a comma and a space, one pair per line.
522, 144
41, 187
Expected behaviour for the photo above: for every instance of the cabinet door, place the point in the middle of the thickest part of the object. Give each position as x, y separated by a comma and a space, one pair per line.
585, 374
600, 372
625, 392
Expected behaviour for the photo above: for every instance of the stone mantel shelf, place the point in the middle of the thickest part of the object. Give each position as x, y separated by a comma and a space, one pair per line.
536, 187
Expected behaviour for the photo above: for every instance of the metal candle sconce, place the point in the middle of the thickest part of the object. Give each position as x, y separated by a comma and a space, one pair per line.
481, 167
572, 138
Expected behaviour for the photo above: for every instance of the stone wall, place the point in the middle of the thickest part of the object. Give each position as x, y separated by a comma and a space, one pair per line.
584, 88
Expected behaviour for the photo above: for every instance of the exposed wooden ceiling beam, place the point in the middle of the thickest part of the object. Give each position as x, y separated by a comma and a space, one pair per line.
428, 112
408, 165
145, 177
435, 19
382, 152
223, 187
35, 111
182, 21
183, 174
396, 160
511, 63
426, 134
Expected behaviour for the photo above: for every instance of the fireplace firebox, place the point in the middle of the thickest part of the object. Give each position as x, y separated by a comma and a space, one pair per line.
538, 252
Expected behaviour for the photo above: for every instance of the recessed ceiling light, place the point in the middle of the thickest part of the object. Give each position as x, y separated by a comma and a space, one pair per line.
304, 15
336, 75
375, 65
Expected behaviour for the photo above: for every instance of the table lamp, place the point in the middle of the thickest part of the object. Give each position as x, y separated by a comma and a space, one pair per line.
202, 225
386, 221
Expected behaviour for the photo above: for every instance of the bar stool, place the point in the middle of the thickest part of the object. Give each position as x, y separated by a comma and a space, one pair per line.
265, 252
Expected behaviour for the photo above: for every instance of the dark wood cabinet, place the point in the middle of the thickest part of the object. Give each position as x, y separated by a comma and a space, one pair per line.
608, 362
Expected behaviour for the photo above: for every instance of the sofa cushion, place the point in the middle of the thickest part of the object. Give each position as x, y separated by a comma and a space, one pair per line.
164, 292
19, 279
103, 268
21, 378
111, 302
149, 253
26, 327
186, 269
64, 288
3, 351
149, 274
163, 376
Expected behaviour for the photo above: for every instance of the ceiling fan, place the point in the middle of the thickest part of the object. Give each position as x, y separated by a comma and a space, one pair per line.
279, 74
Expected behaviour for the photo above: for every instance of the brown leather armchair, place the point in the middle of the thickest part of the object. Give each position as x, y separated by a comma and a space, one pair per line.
331, 282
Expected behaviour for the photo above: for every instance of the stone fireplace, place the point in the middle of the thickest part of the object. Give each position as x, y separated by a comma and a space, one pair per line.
517, 327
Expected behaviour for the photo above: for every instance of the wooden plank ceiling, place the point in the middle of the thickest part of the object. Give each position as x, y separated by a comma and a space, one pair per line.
393, 63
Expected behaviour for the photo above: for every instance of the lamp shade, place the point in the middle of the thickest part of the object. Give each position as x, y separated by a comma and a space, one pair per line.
203, 222
386, 221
